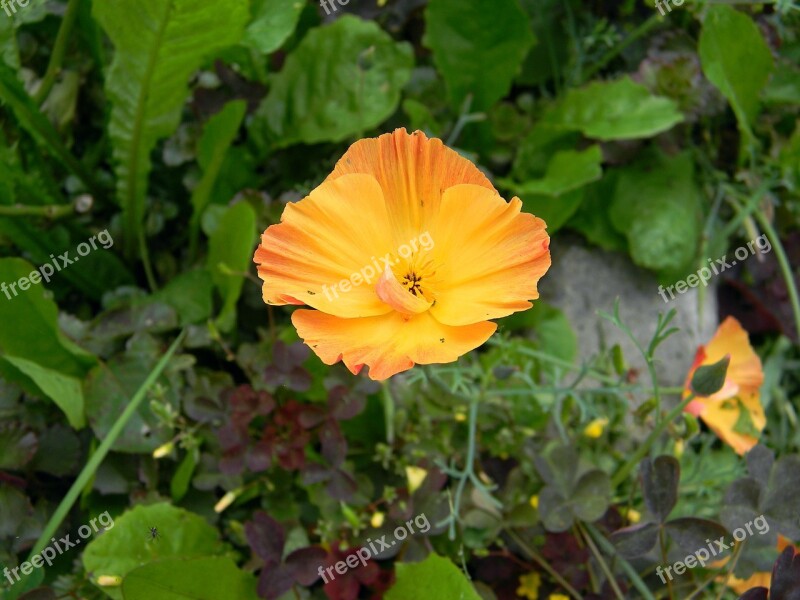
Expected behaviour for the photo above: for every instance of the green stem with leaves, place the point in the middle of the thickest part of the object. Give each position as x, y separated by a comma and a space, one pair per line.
59, 50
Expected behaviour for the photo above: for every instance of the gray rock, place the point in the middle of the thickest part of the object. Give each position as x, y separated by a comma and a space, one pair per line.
583, 280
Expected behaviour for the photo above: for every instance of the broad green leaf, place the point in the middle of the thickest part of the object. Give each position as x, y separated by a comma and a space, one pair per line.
230, 254
477, 54
568, 170
217, 137
736, 59
62, 389
614, 110
158, 45
128, 545
342, 79
208, 578
30, 325
273, 22
592, 217
556, 196
656, 205
435, 578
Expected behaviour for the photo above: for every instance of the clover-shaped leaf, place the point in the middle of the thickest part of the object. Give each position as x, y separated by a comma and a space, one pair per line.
660, 485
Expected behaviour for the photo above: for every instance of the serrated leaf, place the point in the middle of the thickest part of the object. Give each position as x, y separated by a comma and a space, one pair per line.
207, 578
615, 110
736, 59
158, 45
343, 78
475, 54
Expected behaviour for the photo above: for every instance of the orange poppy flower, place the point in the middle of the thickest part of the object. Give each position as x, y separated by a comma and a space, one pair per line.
734, 413
406, 251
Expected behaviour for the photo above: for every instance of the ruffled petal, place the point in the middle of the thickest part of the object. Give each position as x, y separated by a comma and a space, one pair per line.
326, 251
488, 255
413, 171
387, 344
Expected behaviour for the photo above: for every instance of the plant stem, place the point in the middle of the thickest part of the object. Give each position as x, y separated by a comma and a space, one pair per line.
607, 546
59, 49
786, 268
94, 462
603, 565
388, 411
49, 211
534, 556
644, 448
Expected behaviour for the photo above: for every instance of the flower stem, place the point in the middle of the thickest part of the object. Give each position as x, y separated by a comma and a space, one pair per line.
603, 565
644, 448
50, 211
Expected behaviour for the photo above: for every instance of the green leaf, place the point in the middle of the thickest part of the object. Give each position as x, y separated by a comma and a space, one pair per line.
217, 137
158, 45
736, 59
9, 51
230, 252
656, 205
128, 545
62, 389
273, 22
636, 540
475, 54
556, 196
592, 218
36, 124
30, 326
342, 79
709, 379
592, 494
190, 295
434, 578
183, 475
208, 578
614, 110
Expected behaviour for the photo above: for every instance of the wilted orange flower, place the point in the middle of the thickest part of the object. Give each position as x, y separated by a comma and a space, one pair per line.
406, 251
734, 413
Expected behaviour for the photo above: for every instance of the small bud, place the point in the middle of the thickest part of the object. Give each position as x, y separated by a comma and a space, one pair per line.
415, 477
226, 501
109, 580
163, 450
534, 501
377, 519
709, 379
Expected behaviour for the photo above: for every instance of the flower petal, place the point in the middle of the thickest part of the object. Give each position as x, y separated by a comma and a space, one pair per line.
391, 292
722, 415
387, 344
325, 251
413, 171
489, 257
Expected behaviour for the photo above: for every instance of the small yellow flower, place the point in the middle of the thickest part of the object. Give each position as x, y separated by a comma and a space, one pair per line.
415, 477
461, 417
226, 501
557, 597
534, 501
377, 519
163, 450
595, 428
529, 586
634, 516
